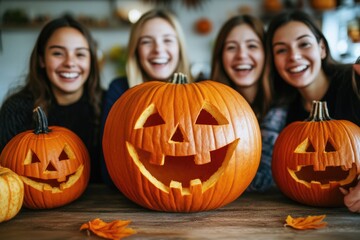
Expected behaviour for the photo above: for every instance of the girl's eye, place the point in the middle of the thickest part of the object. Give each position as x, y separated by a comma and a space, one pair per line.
56, 53
167, 40
280, 51
82, 54
305, 44
145, 41
230, 47
170, 39
253, 46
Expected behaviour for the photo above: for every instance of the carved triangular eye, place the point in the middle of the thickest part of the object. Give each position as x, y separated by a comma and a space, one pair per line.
31, 157
305, 146
149, 118
329, 147
210, 115
63, 156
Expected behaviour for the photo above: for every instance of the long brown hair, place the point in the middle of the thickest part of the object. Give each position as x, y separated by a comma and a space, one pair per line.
262, 100
37, 83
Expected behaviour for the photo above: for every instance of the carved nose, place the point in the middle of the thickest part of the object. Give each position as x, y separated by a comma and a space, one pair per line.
178, 135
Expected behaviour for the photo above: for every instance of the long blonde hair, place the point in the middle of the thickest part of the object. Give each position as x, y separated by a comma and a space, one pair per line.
134, 72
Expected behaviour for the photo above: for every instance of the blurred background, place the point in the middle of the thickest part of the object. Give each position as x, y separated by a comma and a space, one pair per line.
110, 22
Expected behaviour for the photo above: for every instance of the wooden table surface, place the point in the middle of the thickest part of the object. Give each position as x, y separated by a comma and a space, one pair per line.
251, 216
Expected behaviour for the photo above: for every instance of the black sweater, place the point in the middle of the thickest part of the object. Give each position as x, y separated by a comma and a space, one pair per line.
16, 116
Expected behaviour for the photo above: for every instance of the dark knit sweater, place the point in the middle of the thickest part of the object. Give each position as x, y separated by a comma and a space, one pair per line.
16, 116
342, 101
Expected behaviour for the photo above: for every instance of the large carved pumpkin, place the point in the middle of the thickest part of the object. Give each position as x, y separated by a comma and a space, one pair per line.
313, 158
53, 163
182, 147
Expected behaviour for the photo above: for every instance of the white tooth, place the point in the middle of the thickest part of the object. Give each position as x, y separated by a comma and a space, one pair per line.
243, 67
160, 60
69, 75
298, 69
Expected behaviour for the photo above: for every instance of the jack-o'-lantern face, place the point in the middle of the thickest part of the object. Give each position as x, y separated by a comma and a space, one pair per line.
326, 173
53, 164
194, 150
171, 159
52, 171
313, 158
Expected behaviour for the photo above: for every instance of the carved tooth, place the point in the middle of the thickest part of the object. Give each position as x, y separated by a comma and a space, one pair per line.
315, 182
344, 168
195, 182
175, 184
177, 190
196, 188
47, 187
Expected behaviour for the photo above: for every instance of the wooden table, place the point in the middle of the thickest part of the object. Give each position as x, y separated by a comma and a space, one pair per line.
251, 216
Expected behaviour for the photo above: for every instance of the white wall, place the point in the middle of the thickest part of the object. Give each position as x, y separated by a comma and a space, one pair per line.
17, 44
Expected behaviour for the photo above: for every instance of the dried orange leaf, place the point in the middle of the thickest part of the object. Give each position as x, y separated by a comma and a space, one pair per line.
115, 230
309, 222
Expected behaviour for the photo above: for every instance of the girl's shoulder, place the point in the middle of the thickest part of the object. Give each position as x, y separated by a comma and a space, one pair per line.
18, 102
120, 83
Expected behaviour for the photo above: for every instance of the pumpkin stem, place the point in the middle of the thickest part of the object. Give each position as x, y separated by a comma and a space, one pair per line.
40, 121
319, 112
179, 78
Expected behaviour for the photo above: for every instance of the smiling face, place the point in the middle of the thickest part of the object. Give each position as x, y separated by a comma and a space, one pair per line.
158, 49
67, 62
243, 56
297, 54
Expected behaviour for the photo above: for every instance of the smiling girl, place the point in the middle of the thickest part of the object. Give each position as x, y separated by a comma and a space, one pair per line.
239, 61
302, 70
64, 81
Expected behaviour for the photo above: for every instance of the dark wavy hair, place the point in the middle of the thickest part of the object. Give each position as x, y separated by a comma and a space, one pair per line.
283, 92
37, 82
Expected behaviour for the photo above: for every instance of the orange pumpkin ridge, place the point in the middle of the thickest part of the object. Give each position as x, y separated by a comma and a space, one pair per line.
197, 149
313, 158
53, 163
11, 194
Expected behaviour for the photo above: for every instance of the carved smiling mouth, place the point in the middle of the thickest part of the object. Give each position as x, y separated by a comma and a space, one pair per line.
54, 185
181, 172
331, 176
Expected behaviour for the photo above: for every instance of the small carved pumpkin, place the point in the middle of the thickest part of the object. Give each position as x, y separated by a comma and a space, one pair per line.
182, 147
53, 163
313, 158
11, 194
